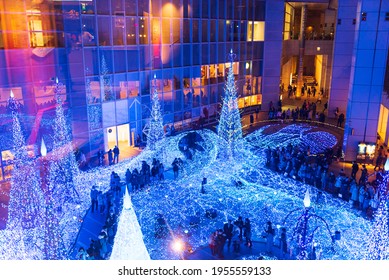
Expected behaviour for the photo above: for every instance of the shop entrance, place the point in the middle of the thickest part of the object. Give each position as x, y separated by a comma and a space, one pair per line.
117, 135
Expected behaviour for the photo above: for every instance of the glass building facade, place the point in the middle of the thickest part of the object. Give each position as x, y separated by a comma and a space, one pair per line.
107, 52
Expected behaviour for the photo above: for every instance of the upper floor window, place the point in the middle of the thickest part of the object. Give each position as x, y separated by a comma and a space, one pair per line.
256, 31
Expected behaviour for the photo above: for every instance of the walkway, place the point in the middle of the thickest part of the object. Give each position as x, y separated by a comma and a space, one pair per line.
93, 223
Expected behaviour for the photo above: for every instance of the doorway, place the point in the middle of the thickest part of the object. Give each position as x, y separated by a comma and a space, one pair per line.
117, 135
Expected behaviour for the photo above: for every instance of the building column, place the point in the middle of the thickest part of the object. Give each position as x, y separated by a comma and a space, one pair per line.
300, 72
367, 75
272, 52
342, 58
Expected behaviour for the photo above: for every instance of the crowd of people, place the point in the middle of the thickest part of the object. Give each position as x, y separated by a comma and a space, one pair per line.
219, 238
104, 204
308, 112
112, 154
299, 164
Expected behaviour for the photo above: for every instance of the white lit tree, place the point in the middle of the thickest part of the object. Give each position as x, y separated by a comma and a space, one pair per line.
26, 204
63, 166
128, 242
230, 127
105, 79
155, 131
54, 248
378, 239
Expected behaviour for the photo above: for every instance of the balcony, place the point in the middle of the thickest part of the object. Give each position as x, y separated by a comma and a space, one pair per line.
312, 47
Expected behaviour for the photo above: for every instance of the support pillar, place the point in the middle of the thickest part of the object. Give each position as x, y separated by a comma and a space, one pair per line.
300, 73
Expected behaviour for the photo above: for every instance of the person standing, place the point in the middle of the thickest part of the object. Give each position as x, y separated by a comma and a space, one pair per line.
82, 254
101, 201
212, 243
161, 170
251, 119
94, 194
269, 230
340, 120
364, 175
220, 242
135, 180
110, 157
116, 152
379, 160
228, 231
247, 232
175, 168
128, 178
354, 170
283, 242
354, 190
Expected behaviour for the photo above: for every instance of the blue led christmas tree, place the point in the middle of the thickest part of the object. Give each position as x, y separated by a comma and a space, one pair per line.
230, 127
26, 205
378, 240
155, 131
63, 165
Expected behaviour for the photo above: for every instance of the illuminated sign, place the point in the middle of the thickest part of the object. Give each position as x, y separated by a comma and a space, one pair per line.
361, 148
370, 149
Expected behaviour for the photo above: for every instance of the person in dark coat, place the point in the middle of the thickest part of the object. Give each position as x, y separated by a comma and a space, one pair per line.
283, 242
270, 232
354, 170
220, 242
135, 179
340, 120
128, 178
364, 175
175, 168
110, 157
94, 194
228, 229
116, 153
247, 232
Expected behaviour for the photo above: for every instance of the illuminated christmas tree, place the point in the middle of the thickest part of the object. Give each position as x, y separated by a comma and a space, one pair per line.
128, 243
63, 166
155, 131
26, 204
54, 248
105, 79
230, 127
378, 239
